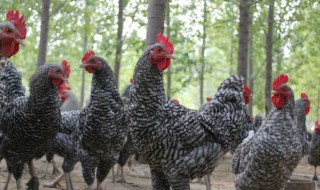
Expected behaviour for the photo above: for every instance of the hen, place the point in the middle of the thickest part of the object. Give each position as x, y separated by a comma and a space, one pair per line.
179, 143
266, 161
69, 102
30, 123
314, 152
103, 124
12, 34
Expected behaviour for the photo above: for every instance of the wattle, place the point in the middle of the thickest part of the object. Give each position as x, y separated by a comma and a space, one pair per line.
9, 48
163, 65
57, 82
90, 69
277, 101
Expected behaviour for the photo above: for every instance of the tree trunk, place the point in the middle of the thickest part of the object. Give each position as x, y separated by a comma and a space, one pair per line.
168, 34
119, 43
203, 49
156, 14
269, 58
85, 43
250, 54
244, 6
231, 41
84, 46
45, 14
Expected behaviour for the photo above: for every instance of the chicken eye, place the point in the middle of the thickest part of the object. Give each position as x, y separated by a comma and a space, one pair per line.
92, 60
8, 30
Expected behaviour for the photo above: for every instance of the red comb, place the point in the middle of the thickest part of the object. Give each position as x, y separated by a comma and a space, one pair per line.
317, 128
304, 95
166, 42
175, 100
18, 22
66, 68
131, 81
280, 80
247, 89
209, 99
87, 55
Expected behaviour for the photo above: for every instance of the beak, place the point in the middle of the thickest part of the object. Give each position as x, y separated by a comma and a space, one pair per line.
21, 41
171, 56
274, 92
65, 80
82, 65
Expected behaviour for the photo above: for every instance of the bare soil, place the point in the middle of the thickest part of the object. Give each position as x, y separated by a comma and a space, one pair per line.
221, 178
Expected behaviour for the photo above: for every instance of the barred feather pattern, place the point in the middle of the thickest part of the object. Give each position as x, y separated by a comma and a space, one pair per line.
10, 81
30, 123
180, 143
266, 161
314, 150
128, 148
10, 85
257, 122
64, 144
102, 127
71, 103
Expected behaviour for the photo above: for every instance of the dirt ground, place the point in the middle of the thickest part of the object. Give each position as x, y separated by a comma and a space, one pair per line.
221, 178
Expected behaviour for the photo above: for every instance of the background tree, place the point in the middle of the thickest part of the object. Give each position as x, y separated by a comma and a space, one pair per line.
156, 14
203, 49
119, 42
244, 6
269, 43
45, 15
169, 70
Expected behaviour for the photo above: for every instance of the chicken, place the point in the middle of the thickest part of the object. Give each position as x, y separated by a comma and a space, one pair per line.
244, 132
30, 123
103, 124
64, 144
128, 148
69, 102
179, 143
266, 161
314, 152
12, 34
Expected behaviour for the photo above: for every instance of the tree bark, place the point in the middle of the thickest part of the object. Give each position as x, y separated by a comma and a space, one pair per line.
156, 14
169, 75
119, 43
244, 6
250, 54
269, 58
203, 49
84, 46
45, 14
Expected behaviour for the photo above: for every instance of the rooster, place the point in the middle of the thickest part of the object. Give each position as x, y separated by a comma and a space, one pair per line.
103, 123
179, 143
266, 161
30, 123
314, 152
12, 34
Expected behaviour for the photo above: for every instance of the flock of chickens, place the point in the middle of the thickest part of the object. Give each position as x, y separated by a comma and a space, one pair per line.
178, 143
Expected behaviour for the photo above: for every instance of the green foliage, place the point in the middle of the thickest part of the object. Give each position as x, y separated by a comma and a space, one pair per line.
296, 42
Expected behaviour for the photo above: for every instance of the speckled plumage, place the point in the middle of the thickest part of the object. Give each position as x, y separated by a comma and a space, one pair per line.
179, 143
102, 127
314, 152
71, 103
10, 85
30, 123
266, 161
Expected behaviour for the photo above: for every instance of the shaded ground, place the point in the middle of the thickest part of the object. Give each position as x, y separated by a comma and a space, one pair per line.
221, 179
